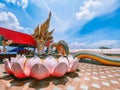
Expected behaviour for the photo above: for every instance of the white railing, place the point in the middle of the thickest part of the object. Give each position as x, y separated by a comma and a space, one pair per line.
103, 51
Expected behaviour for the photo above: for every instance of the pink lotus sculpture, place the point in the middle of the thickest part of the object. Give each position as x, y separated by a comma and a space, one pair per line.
22, 67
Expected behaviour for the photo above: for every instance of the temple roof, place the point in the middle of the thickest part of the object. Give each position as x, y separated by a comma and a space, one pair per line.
18, 38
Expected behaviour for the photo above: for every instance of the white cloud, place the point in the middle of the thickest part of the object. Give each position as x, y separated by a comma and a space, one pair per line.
9, 20
62, 12
106, 43
2, 6
87, 10
77, 45
12, 1
95, 45
22, 3
93, 8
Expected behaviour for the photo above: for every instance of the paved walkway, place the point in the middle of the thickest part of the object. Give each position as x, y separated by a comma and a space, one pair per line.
87, 77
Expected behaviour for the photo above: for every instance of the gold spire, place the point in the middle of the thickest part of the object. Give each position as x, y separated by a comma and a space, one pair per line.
45, 26
51, 32
41, 33
36, 32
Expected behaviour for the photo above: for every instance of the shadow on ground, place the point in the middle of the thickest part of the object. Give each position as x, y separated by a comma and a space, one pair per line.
39, 84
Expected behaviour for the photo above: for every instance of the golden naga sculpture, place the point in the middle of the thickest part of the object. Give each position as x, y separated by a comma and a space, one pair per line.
42, 35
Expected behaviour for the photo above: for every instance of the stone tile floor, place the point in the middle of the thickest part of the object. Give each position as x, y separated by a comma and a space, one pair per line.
87, 77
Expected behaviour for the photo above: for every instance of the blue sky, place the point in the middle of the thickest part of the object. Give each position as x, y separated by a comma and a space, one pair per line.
81, 23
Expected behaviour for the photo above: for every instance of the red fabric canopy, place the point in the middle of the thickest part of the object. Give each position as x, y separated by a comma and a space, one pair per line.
18, 37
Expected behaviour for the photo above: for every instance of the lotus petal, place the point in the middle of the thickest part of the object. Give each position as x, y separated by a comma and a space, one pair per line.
20, 60
73, 66
7, 66
73, 63
22, 67
63, 59
14, 59
30, 63
39, 71
50, 63
60, 70
17, 70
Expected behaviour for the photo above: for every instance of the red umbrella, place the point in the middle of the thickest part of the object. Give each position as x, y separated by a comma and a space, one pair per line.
18, 38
